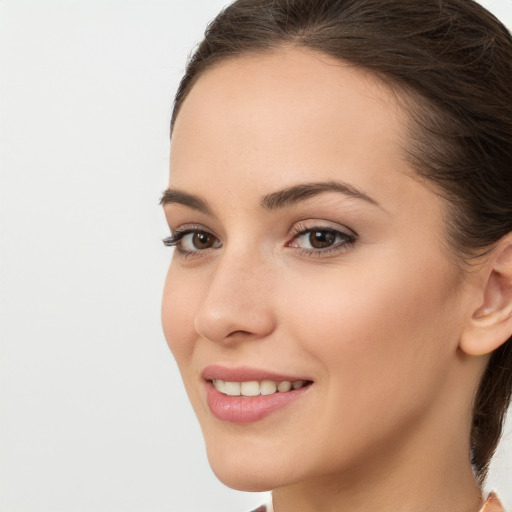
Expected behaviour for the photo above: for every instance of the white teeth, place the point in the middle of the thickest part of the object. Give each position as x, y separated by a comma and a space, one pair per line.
251, 388
268, 387
284, 386
232, 388
255, 388
219, 385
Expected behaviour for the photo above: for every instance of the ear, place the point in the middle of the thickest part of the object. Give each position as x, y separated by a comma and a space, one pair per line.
490, 324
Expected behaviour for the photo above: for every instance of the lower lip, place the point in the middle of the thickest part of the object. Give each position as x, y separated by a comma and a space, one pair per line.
248, 409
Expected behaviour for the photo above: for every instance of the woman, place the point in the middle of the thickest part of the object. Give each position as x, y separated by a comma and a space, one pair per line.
340, 297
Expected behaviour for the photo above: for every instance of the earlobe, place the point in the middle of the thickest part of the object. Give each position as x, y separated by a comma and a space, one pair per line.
490, 324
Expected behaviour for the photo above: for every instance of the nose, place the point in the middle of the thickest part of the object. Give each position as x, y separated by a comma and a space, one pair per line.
237, 304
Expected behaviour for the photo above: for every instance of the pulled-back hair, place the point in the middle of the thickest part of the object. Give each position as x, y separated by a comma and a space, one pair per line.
451, 62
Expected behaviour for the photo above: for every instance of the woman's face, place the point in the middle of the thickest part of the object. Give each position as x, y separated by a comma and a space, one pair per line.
308, 253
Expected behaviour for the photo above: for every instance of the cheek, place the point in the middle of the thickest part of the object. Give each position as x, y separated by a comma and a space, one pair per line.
381, 337
179, 303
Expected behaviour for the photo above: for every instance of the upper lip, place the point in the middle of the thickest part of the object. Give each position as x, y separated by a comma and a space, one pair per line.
246, 374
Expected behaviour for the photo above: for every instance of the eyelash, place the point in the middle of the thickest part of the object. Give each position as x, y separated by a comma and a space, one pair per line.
348, 240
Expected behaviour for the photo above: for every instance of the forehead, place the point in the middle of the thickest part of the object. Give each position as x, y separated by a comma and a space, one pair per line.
258, 123
283, 99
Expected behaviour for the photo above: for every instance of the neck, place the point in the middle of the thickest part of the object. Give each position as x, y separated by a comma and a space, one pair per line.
434, 490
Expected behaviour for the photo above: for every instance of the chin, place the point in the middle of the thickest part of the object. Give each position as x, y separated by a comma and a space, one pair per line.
243, 471
247, 481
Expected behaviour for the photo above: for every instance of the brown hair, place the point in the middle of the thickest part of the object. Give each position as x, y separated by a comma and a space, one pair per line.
453, 61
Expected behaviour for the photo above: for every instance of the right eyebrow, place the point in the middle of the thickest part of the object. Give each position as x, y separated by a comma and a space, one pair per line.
175, 196
303, 191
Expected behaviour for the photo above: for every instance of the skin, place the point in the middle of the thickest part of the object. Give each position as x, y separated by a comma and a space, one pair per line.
375, 324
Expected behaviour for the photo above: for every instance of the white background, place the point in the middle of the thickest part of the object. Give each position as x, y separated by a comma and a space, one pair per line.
93, 413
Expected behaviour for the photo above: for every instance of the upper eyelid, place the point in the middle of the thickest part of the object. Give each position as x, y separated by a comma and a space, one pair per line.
187, 228
311, 224
181, 231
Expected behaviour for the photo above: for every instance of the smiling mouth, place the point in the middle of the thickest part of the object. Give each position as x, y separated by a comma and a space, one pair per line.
245, 395
256, 388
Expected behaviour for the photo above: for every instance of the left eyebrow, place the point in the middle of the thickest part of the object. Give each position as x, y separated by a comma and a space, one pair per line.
175, 196
293, 195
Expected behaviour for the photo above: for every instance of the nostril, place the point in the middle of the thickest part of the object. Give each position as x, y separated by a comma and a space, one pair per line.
239, 333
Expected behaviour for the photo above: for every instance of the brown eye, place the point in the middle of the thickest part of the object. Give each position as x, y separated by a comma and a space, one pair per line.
202, 241
197, 241
193, 241
319, 240
322, 239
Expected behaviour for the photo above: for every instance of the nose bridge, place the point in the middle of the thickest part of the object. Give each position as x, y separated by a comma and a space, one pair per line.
237, 302
236, 275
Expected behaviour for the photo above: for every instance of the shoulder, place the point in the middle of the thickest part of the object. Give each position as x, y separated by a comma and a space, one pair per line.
269, 508
493, 504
